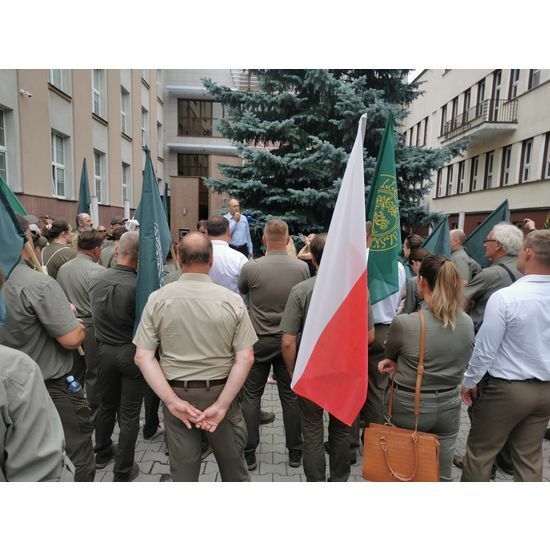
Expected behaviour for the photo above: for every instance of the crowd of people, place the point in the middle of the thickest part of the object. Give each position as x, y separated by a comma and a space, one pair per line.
73, 363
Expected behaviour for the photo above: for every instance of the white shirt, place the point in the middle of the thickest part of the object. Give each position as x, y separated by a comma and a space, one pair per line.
384, 311
227, 266
514, 340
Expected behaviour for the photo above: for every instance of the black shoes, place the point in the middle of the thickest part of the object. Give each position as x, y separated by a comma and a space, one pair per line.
101, 460
251, 462
547, 434
266, 417
134, 472
294, 458
149, 433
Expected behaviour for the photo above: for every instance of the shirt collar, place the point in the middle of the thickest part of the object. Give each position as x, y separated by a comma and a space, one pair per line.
535, 279
216, 241
276, 252
195, 277
84, 257
124, 268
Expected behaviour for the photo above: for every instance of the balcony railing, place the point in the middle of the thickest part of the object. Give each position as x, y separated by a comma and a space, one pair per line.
490, 110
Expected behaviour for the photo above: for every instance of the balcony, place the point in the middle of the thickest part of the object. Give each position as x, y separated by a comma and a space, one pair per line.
487, 119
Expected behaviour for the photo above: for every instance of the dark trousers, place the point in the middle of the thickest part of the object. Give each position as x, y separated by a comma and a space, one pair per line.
74, 413
152, 403
121, 387
516, 411
243, 248
227, 440
85, 369
314, 450
267, 352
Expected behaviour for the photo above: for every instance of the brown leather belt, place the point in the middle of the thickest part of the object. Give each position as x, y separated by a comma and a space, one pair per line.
196, 383
412, 390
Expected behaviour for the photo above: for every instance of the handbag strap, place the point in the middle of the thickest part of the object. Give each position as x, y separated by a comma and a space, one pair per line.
419, 374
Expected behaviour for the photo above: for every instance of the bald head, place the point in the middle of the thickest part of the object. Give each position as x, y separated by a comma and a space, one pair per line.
195, 253
128, 247
457, 237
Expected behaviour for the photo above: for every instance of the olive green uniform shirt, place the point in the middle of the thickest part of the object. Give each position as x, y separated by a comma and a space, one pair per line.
446, 351
75, 278
55, 255
38, 313
466, 265
31, 435
197, 325
413, 300
268, 282
297, 307
107, 258
489, 280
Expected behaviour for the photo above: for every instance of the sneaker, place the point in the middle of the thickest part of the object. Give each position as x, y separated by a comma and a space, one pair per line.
251, 462
266, 417
294, 458
134, 472
101, 460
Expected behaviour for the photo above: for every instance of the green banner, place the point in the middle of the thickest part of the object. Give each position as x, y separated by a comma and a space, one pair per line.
383, 211
439, 240
84, 193
11, 199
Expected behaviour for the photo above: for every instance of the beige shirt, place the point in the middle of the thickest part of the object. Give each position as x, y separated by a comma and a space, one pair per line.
446, 351
197, 326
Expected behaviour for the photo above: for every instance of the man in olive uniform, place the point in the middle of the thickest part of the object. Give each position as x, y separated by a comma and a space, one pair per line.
466, 265
292, 325
41, 324
204, 337
74, 278
268, 282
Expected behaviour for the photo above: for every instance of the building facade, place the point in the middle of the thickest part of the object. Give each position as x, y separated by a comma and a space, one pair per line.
505, 116
53, 119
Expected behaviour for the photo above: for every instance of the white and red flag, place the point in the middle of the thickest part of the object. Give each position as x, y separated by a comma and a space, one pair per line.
331, 367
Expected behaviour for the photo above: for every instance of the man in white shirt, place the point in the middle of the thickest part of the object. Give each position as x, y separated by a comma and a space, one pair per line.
511, 363
227, 268
238, 229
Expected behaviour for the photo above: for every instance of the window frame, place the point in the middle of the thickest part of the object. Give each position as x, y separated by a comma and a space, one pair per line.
474, 163
438, 183
480, 96
126, 183
58, 166
526, 145
461, 177
125, 122
514, 83
443, 118
145, 128
99, 92
546, 158
191, 166
160, 145
193, 126
449, 184
532, 74
490, 155
98, 178
506, 166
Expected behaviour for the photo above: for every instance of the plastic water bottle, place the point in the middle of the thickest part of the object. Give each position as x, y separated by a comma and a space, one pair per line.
72, 385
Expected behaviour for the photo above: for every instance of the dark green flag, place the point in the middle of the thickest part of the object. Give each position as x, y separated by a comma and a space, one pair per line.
383, 211
84, 192
13, 201
154, 239
11, 236
474, 242
439, 240
165, 202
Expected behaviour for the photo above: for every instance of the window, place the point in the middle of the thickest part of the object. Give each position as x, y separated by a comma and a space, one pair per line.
192, 165
489, 161
126, 182
480, 97
546, 158
425, 131
195, 118
497, 80
125, 111
61, 79
449, 180
443, 118
467, 99
58, 165
474, 180
99, 175
514, 83
506, 165
144, 127
3, 149
159, 140
534, 78
461, 170
411, 136
526, 157
98, 92
439, 189
454, 112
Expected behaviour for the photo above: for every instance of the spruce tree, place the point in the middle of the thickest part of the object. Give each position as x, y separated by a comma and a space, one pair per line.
295, 134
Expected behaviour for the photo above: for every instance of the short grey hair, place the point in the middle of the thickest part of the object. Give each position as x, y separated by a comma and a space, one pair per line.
539, 243
128, 245
509, 236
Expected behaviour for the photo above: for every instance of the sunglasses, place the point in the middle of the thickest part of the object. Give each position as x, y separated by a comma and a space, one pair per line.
490, 241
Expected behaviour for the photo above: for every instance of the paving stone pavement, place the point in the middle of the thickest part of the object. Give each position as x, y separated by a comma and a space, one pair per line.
272, 455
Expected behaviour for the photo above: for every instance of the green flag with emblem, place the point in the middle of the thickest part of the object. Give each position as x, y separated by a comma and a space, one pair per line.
383, 211
439, 240
154, 239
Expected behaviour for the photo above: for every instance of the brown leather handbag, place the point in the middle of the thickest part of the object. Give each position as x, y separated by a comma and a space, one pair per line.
398, 454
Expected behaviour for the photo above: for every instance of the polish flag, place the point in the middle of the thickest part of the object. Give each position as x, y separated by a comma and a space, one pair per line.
331, 367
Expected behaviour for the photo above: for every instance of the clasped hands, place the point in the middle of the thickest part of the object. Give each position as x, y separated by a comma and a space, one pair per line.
206, 420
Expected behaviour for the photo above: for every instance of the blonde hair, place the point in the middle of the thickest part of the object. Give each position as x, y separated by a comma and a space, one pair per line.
445, 282
276, 231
